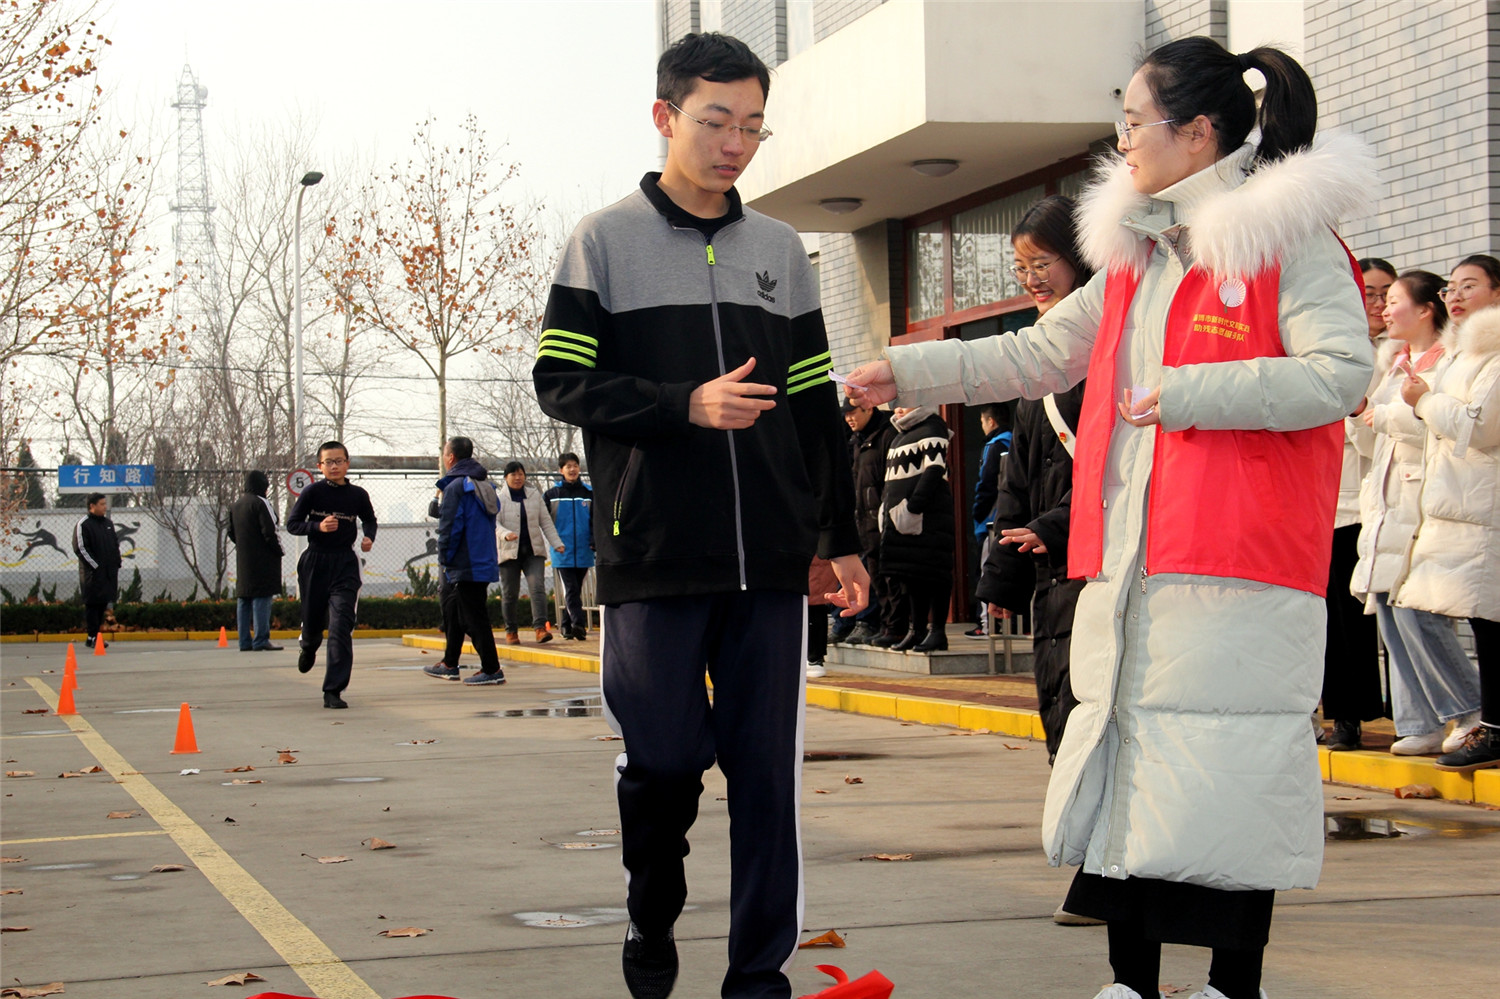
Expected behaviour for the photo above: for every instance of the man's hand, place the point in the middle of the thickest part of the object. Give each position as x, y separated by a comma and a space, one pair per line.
997, 611
871, 384
560, 549
854, 585
1412, 389
328, 524
367, 544
729, 402
511, 536
1028, 539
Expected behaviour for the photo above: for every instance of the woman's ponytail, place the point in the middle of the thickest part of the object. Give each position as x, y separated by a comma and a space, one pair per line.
1289, 108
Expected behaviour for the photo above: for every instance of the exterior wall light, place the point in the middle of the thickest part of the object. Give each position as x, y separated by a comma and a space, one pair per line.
935, 168
840, 206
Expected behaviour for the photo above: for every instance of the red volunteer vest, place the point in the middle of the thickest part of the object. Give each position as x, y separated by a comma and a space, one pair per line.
1246, 504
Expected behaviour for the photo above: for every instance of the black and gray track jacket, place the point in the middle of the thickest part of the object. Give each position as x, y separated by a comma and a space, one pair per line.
644, 309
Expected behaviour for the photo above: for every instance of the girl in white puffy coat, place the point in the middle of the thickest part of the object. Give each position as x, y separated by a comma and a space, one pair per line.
1432, 680
1455, 564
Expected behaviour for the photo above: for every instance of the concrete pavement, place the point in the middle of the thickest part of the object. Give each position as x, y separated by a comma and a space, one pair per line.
499, 801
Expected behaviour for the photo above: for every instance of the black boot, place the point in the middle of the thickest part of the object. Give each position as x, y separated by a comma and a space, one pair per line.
936, 641
911, 641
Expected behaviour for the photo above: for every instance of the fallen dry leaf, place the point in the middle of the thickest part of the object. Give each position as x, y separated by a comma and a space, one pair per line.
829, 939
328, 860
376, 843
819, 790
35, 711
20, 773
237, 979
73, 773
12, 891
122, 815
608, 738
854, 780
404, 931
1009, 746
419, 742
12, 860
1174, 990
96, 769
242, 780
14, 929
164, 868
1416, 791
1350, 797
32, 991
285, 757
886, 856
240, 770
230, 820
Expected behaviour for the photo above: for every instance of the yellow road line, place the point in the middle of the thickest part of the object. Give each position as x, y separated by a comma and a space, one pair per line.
318, 967
74, 839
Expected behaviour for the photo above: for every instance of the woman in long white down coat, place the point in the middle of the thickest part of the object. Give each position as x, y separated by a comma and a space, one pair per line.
1187, 785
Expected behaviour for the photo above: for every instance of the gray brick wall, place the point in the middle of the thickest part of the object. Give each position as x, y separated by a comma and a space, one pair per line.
1420, 82
680, 18
861, 284
1167, 20
831, 15
760, 24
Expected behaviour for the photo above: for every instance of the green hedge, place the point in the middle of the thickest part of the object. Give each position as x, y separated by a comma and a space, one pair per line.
211, 615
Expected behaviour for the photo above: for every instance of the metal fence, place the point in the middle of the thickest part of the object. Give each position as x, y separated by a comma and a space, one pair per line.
173, 539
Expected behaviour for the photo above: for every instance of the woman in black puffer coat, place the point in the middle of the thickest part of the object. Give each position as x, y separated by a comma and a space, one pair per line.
916, 525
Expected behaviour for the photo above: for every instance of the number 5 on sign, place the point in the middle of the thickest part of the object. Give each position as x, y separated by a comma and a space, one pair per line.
299, 479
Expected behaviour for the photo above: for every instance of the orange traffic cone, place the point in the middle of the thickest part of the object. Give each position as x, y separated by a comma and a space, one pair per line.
99, 644
186, 741
71, 662
70, 681
223, 637
65, 700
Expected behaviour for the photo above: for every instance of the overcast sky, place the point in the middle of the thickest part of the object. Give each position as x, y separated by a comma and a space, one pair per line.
566, 84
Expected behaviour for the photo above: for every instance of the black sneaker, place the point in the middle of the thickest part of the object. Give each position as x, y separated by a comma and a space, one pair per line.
1345, 736
482, 678
977, 632
332, 700
1481, 749
649, 963
305, 660
861, 635
442, 671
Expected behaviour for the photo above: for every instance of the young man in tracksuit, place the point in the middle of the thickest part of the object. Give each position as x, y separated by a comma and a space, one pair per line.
468, 557
328, 577
683, 335
570, 503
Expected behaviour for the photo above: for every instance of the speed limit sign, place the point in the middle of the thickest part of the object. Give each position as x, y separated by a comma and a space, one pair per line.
299, 479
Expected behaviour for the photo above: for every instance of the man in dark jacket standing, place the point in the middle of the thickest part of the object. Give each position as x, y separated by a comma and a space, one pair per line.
467, 555
257, 562
683, 334
98, 550
870, 438
328, 575
571, 504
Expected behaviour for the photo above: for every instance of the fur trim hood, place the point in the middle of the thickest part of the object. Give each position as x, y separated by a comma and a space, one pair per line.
1243, 227
1479, 334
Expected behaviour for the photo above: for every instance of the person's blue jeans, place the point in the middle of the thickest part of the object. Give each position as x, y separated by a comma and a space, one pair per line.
1432, 680
254, 612
510, 586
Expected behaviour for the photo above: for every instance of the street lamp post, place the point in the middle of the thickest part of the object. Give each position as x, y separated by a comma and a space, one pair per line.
308, 180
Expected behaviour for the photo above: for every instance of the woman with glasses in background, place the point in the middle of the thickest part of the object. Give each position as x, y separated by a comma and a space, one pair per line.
1224, 340
1432, 681
1455, 561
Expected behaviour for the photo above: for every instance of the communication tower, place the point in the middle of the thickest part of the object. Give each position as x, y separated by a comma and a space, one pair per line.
197, 291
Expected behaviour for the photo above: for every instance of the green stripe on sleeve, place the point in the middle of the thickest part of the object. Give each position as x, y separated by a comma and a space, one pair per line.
563, 356
816, 359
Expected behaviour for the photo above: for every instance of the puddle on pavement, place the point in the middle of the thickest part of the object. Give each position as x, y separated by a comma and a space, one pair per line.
406, 668
590, 706
357, 780
1355, 826
572, 920
47, 731
149, 711
598, 832
59, 867
832, 755
125, 877
586, 846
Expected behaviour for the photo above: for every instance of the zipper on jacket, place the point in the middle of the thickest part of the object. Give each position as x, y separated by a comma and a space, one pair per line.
1143, 578
620, 489
734, 463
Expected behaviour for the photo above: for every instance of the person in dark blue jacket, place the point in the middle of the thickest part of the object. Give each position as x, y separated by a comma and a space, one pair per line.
467, 554
571, 504
994, 420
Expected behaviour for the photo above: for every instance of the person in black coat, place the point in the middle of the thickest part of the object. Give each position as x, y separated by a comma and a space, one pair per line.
98, 550
916, 525
257, 562
884, 622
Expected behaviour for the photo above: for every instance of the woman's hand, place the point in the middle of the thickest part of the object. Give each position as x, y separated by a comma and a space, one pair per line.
871, 384
1025, 537
1412, 389
997, 611
1368, 416
1142, 412
511, 536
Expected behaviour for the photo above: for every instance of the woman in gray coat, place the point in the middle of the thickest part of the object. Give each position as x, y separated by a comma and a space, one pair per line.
1224, 339
523, 532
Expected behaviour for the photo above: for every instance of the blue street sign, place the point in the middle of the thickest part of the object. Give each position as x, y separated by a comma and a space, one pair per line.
106, 478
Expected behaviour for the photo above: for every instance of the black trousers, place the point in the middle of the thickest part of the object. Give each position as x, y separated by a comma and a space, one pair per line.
453, 626
570, 609
329, 583
654, 654
1487, 651
1351, 659
473, 613
928, 600
93, 617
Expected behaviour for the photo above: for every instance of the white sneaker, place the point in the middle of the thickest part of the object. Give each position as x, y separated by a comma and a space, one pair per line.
1118, 991
1209, 992
815, 670
1461, 729
1417, 745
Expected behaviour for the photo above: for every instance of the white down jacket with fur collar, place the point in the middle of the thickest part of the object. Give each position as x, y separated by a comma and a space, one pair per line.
1189, 757
1455, 561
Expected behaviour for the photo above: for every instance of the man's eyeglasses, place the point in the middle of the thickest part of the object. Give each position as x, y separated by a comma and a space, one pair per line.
751, 133
333, 461
1122, 130
1039, 270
